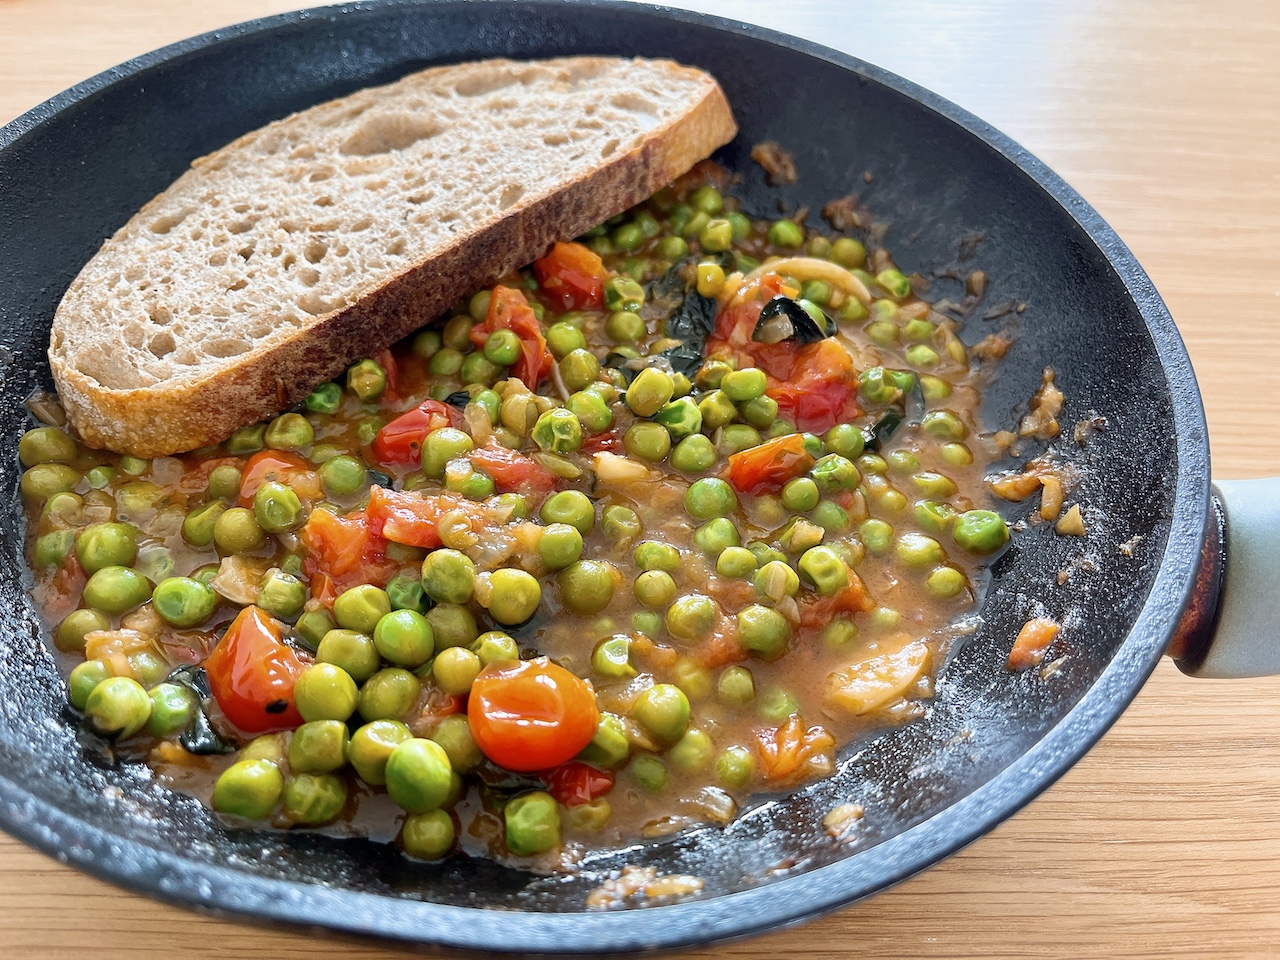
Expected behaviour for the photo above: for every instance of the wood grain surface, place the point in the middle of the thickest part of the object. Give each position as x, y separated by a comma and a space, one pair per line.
1165, 840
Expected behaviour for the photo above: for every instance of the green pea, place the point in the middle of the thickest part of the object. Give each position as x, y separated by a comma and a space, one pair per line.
711, 374
116, 589
876, 535
84, 679
118, 707
579, 369
716, 236
559, 545
650, 772
443, 445
448, 576
46, 445
763, 631
532, 824
778, 704
692, 617
934, 485
457, 332
404, 637
955, 454
877, 387
625, 326
43, 480
361, 607
351, 650
673, 248
237, 531
918, 550
715, 535
314, 798
452, 625
342, 475
558, 430
247, 439
663, 711
980, 531
453, 733
388, 694
707, 199
853, 310
71, 631
776, 580
710, 497
508, 507
371, 747
249, 789
325, 398
655, 555
681, 417
586, 587
694, 454
494, 646
759, 413
736, 686
502, 347
619, 522
735, 561
427, 836
515, 596
312, 626
571, 507
717, 410
64, 509
100, 476
934, 388
418, 775
455, 669
476, 368
277, 508
446, 362
563, 338
735, 767
289, 431
834, 473
694, 226
655, 588
737, 437
52, 548
319, 747
800, 494
367, 380
609, 747
935, 516
693, 678
692, 753
872, 463
824, 568
324, 691
184, 602
282, 594
628, 237
743, 385
946, 582
200, 525
612, 658
592, 413
649, 392
922, 355
784, 233
846, 440
173, 707
894, 281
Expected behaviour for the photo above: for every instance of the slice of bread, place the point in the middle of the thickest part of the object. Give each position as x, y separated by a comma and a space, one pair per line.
282, 258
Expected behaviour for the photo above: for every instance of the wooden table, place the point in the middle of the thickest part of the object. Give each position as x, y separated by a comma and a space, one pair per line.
1165, 840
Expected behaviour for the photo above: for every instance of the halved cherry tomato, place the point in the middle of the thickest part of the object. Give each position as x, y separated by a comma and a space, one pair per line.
399, 444
387, 361
766, 468
818, 390
816, 611
509, 310
576, 783
529, 715
785, 749
252, 672
513, 471
348, 549
267, 465
573, 274
413, 519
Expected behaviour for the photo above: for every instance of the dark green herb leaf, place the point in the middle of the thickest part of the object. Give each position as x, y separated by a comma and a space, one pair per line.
883, 429
199, 737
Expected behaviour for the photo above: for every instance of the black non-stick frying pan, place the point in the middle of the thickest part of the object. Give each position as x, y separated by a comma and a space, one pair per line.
74, 169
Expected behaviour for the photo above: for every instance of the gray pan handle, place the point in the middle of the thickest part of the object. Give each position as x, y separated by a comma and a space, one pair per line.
1246, 641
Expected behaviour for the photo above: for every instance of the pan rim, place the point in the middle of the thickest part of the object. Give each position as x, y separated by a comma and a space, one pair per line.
210, 888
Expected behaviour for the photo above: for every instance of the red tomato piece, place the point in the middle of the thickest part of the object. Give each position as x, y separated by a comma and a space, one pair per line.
764, 469
576, 783
387, 361
398, 445
252, 672
265, 466
785, 749
573, 274
347, 549
509, 310
529, 715
608, 442
816, 611
413, 519
512, 471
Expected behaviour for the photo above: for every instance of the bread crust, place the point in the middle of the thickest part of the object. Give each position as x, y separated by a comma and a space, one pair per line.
169, 418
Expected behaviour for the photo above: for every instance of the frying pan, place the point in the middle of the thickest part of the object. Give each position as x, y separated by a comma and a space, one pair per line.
74, 169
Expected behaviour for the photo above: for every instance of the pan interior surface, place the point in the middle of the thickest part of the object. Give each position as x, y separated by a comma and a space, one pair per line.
74, 170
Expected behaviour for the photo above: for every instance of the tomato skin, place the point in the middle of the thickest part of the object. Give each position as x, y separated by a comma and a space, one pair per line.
252, 672
573, 274
266, 465
766, 468
387, 361
348, 549
529, 715
575, 783
512, 471
509, 310
816, 611
413, 519
398, 445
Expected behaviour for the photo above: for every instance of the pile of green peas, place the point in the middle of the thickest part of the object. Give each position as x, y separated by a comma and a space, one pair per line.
645, 588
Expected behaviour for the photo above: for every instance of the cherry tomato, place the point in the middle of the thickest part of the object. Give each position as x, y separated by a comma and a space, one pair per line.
513, 471
530, 715
347, 549
575, 783
252, 672
509, 310
766, 468
267, 465
399, 443
413, 519
573, 274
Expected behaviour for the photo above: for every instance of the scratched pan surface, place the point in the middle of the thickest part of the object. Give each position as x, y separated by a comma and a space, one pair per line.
74, 169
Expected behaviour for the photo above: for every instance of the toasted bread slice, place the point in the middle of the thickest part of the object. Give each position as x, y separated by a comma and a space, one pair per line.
282, 258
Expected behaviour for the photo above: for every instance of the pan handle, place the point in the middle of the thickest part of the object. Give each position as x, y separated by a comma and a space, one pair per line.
1233, 626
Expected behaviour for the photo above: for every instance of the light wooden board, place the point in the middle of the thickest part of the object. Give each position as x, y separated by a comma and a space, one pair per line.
1165, 840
